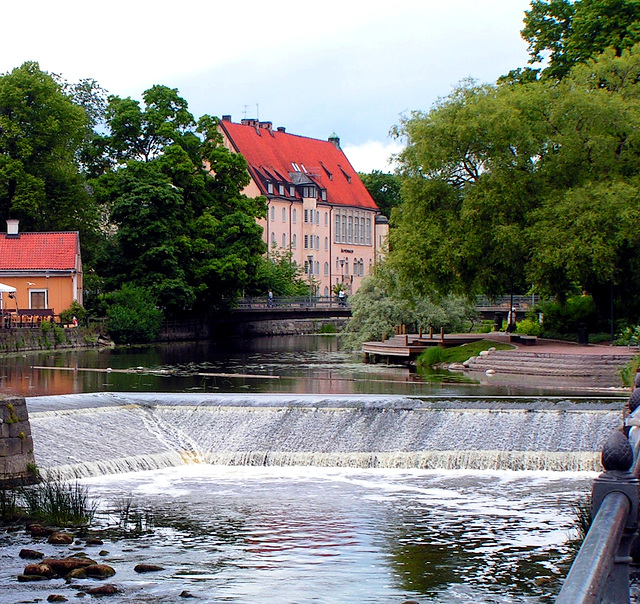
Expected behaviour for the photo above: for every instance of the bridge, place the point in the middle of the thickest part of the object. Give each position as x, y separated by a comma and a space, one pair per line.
294, 307
282, 307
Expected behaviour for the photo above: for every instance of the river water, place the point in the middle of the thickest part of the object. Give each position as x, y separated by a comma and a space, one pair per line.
241, 504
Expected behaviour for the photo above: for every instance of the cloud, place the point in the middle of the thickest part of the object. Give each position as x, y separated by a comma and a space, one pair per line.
372, 155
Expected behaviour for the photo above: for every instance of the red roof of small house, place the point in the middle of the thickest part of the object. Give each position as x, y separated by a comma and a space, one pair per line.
39, 251
277, 157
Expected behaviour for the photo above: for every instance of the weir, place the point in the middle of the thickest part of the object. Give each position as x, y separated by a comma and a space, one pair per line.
94, 434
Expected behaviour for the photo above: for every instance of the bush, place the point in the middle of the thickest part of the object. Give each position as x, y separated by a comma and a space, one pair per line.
529, 327
75, 310
132, 317
565, 318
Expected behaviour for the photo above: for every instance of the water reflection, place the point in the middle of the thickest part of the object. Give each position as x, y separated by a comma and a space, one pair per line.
293, 364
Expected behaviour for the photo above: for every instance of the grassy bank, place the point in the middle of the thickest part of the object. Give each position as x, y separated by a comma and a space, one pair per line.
457, 354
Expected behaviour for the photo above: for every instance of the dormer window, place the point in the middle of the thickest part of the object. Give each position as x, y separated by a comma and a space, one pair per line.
323, 194
292, 191
308, 191
303, 168
295, 166
280, 189
270, 188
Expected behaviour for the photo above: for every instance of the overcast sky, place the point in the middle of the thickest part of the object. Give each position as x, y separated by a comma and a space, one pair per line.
316, 68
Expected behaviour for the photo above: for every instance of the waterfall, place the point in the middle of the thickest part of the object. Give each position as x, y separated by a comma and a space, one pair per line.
85, 435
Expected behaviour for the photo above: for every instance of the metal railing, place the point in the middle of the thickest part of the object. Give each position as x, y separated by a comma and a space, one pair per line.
601, 570
282, 302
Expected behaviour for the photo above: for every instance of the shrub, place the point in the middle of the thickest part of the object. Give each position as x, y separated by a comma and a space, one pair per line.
565, 318
529, 327
75, 310
132, 317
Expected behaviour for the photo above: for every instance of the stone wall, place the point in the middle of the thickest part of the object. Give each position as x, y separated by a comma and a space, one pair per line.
287, 327
18, 339
17, 463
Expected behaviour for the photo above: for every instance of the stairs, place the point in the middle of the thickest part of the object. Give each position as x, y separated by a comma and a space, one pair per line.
606, 366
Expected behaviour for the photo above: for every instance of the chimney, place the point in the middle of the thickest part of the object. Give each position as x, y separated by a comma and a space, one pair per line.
266, 125
335, 140
12, 228
226, 118
281, 129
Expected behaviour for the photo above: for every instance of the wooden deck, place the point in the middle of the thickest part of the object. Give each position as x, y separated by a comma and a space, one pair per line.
406, 348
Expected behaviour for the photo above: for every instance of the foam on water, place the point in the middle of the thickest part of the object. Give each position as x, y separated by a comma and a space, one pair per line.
86, 435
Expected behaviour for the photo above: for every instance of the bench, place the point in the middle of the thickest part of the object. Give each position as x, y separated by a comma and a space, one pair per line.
520, 338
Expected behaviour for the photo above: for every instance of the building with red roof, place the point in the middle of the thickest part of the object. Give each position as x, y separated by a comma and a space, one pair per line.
318, 208
45, 268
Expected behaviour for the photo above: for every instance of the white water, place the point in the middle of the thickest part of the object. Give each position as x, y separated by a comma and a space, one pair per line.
90, 435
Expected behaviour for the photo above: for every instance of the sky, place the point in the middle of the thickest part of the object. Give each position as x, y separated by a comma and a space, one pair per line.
344, 67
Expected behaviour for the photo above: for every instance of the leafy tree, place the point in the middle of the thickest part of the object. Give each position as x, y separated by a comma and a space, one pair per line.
41, 132
132, 317
384, 188
568, 33
280, 274
173, 193
383, 302
511, 186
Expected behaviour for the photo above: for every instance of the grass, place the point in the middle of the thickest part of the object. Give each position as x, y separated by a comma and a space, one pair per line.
457, 354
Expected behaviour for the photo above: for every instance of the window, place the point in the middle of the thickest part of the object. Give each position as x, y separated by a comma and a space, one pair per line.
337, 265
280, 189
273, 213
370, 264
308, 191
326, 291
306, 242
316, 270
362, 232
269, 187
346, 267
294, 241
368, 231
326, 219
356, 230
37, 298
295, 167
284, 240
336, 235
317, 238
326, 244
295, 216
350, 230
326, 269
317, 218
273, 240
292, 191
343, 237
324, 195
306, 215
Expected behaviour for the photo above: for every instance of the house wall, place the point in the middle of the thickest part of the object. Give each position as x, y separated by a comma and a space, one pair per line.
60, 291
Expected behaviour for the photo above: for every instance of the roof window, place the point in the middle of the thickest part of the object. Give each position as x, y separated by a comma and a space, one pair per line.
295, 166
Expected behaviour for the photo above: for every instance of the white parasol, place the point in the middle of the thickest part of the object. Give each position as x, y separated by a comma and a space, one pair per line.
9, 289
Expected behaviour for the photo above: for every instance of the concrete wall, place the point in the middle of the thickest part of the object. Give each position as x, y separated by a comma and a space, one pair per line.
285, 327
19, 339
17, 463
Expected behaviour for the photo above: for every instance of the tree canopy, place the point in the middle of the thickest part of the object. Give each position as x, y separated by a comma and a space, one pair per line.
508, 187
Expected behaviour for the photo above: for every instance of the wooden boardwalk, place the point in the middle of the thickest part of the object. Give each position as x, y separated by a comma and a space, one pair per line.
408, 347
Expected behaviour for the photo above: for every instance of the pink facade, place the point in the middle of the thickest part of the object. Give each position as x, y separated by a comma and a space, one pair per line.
318, 208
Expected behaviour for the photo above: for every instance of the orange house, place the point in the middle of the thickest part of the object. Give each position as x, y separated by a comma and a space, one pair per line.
45, 269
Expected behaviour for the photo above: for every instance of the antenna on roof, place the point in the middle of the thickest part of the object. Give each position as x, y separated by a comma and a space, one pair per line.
244, 112
257, 112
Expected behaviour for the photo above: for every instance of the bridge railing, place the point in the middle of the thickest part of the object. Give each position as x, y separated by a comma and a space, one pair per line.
600, 572
318, 302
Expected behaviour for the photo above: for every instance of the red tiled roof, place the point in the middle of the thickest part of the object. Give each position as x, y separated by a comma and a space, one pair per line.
39, 251
271, 155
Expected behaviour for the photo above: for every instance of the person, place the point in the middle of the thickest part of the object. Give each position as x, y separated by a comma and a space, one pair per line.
341, 297
75, 321
270, 299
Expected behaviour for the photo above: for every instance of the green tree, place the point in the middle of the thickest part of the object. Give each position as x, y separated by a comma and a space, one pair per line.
132, 317
384, 188
41, 132
280, 274
181, 225
384, 301
567, 33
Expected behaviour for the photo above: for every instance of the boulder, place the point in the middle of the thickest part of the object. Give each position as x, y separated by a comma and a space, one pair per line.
56, 598
147, 568
38, 530
63, 566
27, 578
76, 573
99, 571
60, 539
30, 554
103, 590
44, 570
94, 541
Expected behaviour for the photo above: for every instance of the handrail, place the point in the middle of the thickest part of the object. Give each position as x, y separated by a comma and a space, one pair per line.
600, 572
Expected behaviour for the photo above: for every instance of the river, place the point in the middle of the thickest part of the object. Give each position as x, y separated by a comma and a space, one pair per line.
312, 477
